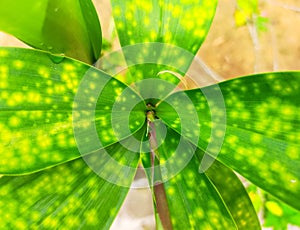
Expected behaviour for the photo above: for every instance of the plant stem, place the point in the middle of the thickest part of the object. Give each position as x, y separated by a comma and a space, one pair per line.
162, 206
159, 190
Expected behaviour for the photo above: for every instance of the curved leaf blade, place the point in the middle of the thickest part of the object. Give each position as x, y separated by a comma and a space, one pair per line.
234, 195
66, 196
166, 29
224, 181
181, 23
41, 109
93, 26
55, 26
262, 129
193, 200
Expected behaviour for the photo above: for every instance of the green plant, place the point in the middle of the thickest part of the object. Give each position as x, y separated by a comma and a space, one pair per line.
72, 136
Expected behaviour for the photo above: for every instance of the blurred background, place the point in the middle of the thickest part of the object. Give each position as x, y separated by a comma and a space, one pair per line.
246, 37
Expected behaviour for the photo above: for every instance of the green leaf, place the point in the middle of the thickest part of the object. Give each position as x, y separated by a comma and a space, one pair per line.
117, 163
181, 23
258, 119
234, 195
193, 200
84, 193
68, 27
68, 196
93, 27
50, 106
225, 182
165, 35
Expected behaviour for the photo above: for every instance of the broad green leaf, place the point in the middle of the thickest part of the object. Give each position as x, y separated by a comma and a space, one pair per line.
227, 184
261, 139
193, 201
148, 67
169, 28
51, 106
183, 23
234, 195
68, 27
68, 196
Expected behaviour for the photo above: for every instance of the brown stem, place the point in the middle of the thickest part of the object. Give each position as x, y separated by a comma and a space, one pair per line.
162, 206
159, 189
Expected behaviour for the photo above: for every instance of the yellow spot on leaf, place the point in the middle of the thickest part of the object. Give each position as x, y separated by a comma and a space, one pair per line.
129, 15
117, 11
292, 152
69, 67
199, 213
18, 64
44, 72
274, 208
20, 224
176, 11
3, 84
14, 121
256, 138
170, 191
3, 53
91, 217
33, 97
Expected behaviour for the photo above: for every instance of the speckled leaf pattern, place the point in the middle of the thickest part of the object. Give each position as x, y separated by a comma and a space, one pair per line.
193, 200
80, 133
68, 196
39, 24
261, 141
38, 109
234, 195
182, 24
